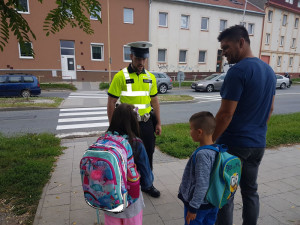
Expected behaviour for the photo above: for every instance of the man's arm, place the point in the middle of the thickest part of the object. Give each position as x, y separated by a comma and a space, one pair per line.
156, 108
224, 117
272, 108
111, 103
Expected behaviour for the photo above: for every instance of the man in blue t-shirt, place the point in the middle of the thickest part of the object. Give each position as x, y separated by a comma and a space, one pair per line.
248, 94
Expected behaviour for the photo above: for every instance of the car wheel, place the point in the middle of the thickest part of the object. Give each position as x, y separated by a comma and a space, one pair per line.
25, 93
282, 86
162, 88
210, 88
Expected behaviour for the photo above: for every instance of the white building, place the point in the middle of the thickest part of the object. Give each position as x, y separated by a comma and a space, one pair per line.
281, 36
184, 33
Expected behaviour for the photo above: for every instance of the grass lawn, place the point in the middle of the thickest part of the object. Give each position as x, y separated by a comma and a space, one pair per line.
41, 102
25, 166
58, 86
174, 98
176, 141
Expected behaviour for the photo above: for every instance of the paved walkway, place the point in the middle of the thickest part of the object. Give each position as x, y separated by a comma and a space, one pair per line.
62, 201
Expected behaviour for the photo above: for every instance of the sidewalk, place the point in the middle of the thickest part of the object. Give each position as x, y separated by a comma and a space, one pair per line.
62, 201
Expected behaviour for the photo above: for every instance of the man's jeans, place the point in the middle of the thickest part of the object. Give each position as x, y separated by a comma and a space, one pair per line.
251, 158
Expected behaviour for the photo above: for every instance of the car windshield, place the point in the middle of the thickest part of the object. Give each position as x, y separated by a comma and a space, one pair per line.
211, 77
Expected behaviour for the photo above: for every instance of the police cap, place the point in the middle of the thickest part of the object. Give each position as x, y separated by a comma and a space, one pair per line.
140, 48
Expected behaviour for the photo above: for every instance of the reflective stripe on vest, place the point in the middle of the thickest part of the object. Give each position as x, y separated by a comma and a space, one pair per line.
142, 106
129, 91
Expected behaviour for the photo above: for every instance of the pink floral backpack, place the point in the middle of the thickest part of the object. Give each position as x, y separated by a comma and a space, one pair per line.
109, 177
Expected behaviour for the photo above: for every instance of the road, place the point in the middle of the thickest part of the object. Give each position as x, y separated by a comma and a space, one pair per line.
83, 112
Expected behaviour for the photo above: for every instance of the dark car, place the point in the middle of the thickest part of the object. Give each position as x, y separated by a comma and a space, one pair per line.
210, 83
24, 85
164, 82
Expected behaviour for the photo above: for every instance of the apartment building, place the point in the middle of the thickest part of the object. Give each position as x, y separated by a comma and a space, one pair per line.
72, 54
184, 33
280, 46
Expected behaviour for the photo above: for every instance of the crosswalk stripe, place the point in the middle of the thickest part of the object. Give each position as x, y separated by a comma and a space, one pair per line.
88, 94
82, 119
83, 109
209, 101
86, 125
82, 113
207, 97
80, 96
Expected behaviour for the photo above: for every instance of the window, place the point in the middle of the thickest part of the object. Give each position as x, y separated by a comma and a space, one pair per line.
67, 48
281, 40
284, 19
161, 55
279, 61
26, 50
182, 56
293, 43
2, 79
94, 17
267, 39
128, 16
289, 1
14, 79
243, 24
28, 79
204, 23
202, 56
127, 53
97, 52
299, 3
296, 23
291, 61
223, 25
184, 22
163, 19
270, 16
24, 6
251, 28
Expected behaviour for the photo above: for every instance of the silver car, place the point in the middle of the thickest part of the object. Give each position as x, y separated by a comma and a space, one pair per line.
163, 81
281, 81
210, 83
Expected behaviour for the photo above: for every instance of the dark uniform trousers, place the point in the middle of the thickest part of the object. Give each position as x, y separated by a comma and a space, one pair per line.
148, 138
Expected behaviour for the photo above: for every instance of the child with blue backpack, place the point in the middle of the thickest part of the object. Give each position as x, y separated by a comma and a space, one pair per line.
196, 176
124, 122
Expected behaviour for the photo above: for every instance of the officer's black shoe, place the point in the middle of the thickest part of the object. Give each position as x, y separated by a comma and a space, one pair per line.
152, 191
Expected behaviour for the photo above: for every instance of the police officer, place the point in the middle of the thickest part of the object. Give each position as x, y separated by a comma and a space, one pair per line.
135, 85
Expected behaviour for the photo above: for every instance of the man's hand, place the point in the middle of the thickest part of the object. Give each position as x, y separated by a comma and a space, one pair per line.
158, 129
190, 216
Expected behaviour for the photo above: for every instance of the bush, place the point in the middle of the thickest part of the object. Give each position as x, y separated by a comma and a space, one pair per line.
103, 86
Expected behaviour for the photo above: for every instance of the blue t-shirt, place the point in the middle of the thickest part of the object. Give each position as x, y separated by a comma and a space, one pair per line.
252, 83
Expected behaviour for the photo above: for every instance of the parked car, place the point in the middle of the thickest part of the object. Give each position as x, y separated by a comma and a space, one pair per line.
210, 83
164, 82
281, 81
23, 85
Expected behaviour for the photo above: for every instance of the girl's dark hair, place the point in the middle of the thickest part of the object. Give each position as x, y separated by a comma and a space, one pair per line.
124, 121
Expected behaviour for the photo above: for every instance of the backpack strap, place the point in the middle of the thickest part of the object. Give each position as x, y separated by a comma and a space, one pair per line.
211, 147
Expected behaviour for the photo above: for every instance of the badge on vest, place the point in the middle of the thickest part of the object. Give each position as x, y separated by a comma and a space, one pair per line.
129, 81
147, 81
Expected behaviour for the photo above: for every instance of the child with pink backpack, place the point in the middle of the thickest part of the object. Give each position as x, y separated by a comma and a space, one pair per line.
114, 168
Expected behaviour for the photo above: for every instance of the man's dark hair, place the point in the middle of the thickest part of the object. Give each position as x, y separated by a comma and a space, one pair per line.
234, 33
205, 121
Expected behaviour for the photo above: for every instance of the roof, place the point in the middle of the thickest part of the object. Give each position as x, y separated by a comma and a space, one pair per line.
285, 5
225, 4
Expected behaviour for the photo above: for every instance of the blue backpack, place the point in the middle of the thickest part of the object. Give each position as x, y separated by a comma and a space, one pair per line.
225, 175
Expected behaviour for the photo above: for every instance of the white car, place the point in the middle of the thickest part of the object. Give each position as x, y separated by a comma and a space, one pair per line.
281, 81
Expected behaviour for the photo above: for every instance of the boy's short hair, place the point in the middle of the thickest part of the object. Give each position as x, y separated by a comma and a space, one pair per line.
234, 33
205, 121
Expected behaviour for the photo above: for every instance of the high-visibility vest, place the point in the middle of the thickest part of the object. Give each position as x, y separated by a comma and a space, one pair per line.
140, 99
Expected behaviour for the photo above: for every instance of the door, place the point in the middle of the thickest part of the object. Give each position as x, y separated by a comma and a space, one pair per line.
219, 61
67, 51
265, 58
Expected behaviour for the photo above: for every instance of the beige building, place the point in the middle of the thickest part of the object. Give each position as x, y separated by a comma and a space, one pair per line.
184, 33
281, 36
72, 54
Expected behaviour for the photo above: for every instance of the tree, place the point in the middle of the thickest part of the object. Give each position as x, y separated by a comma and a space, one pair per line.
73, 12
